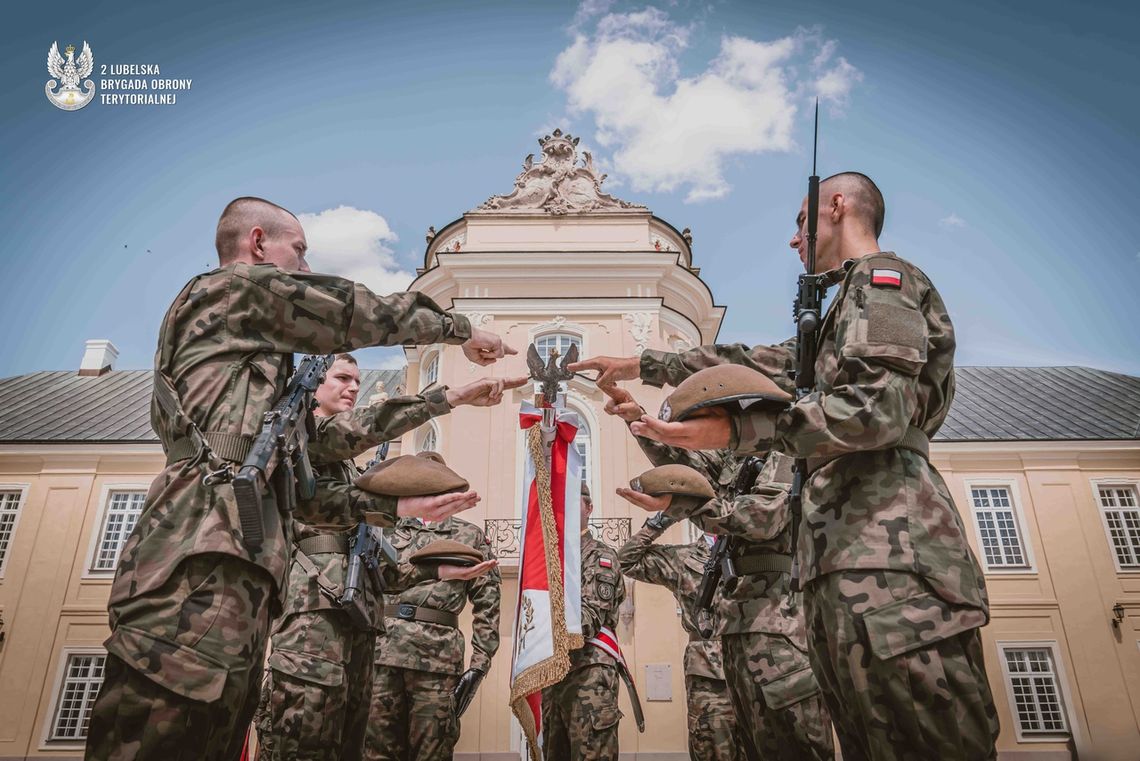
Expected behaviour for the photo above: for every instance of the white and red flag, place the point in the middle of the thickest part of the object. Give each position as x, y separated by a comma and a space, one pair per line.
548, 615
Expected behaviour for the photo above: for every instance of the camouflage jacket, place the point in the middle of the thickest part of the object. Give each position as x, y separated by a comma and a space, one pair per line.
758, 522
338, 505
679, 568
224, 345
602, 595
885, 364
436, 648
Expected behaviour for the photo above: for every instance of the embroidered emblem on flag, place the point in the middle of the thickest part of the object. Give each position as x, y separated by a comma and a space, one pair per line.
605, 563
890, 278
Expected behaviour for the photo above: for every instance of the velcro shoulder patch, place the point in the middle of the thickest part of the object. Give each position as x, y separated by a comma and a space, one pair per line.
605, 563
885, 278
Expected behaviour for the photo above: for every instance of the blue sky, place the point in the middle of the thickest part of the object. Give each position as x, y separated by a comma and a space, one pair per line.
1004, 139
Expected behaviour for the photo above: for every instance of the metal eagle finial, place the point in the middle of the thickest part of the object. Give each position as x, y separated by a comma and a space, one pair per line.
551, 373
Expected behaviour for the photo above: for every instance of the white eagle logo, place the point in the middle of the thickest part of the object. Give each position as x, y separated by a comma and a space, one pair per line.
69, 97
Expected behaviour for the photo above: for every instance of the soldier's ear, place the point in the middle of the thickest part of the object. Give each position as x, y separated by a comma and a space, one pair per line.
256, 243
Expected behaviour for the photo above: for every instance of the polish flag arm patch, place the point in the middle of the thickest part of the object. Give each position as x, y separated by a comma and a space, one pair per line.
605, 563
887, 278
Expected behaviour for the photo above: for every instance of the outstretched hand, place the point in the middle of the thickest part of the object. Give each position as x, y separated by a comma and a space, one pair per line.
610, 369
622, 404
461, 573
437, 507
485, 392
484, 347
712, 430
645, 501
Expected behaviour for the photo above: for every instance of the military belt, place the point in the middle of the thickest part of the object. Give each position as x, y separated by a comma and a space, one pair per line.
915, 439
406, 612
323, 543
762, 562
227, 446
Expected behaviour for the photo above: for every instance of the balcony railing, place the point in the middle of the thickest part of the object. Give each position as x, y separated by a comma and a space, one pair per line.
503, 534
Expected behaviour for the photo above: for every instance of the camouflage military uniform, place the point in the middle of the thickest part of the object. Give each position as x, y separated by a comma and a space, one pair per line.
580, 714
418, 663
775, 697
713, 732
190, 604
894, 596
315, 699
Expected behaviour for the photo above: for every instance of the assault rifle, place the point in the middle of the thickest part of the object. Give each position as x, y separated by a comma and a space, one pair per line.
719, 567
367, 549
280, 453
806, 310
380, 456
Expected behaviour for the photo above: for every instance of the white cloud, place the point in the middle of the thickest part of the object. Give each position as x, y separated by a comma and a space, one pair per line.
354, 243
395, 361
952, 222
667, 131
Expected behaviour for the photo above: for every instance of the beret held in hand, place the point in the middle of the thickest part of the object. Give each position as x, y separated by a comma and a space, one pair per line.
447, 551
411, 476
677, 480
735, 387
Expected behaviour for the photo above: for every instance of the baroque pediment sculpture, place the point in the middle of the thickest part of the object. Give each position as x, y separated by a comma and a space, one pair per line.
558, 184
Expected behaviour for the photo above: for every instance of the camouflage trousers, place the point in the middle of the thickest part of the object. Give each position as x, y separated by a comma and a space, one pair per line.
776, 698
314, 703
183, 665
901, 670
713, 732
580, 715
412, 716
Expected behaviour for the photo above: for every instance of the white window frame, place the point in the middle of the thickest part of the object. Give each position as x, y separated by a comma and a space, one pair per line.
89, 570
1097, 484
1068, 707
549, 332
67, 743
580, 408
1018, 507
21, 501
421, 438
431, 357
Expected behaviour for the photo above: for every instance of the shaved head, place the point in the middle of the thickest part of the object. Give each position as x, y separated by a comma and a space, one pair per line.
242, 215
862, 196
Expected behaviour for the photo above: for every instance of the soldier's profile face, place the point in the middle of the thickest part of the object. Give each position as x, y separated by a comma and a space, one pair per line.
587, 507
287, 247
823, 237
338, 392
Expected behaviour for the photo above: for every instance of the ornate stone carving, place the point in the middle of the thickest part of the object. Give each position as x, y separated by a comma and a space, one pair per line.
477, 319
640, 324
557, 184
454, 243
680, 343
380, 395
661, 244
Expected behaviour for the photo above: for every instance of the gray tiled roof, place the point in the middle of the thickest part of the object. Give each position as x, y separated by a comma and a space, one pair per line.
992, 404
61, 406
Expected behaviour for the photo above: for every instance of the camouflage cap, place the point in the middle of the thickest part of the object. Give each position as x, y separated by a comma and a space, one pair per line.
447, 552
675, 479
733, 386
410, 476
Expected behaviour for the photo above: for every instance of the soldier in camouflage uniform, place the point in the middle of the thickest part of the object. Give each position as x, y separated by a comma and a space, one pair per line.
893, 595
191, 601
580, 714
419, 657
713, 731
775, 698
315, 699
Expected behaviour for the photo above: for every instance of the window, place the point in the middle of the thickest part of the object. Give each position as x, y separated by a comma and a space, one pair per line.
582, 444
82, 677
9, 508
1122, 519
1035, 691
556, 341
430, 442
123, 509
431, 372
1002, 545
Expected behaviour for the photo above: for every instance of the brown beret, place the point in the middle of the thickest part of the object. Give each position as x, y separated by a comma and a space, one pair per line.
679, 480
733, 386
410, 476
447, 552
432, 456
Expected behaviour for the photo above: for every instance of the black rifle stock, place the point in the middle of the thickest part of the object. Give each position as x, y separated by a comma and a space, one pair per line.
367, 550
719, 567
810, 290
280, 452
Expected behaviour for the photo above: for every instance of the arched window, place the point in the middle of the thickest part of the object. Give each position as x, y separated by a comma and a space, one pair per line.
429, 442
584, 445
559, 341
431, 370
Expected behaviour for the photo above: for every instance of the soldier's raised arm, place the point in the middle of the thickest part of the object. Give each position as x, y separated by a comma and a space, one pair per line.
759, 515
642, 560
485, 593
